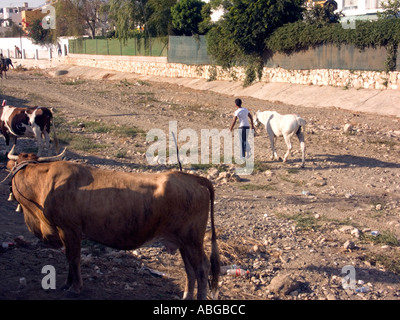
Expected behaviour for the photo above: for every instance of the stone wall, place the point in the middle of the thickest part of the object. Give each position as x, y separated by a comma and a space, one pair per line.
159, 66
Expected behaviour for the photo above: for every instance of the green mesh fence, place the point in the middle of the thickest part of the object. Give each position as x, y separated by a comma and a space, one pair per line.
193, 50
156, 47
188, 50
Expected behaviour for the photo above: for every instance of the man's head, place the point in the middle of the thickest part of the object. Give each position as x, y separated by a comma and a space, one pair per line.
238, 103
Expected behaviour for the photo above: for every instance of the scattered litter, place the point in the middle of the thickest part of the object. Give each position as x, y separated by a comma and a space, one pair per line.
234, 270
363, 289
6, 245
21, 242
22, 282
157, 273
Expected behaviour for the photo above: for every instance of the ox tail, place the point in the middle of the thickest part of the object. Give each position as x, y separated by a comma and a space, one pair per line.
56, 142
214, 258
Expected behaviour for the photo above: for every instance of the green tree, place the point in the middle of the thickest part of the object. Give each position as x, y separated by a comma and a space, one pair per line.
186, 17
127, 16
250, 22
240, 37
89, 12
159, 22
68, 20
39, 35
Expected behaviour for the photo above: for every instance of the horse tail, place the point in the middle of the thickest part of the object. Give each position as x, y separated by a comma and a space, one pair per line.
301, 122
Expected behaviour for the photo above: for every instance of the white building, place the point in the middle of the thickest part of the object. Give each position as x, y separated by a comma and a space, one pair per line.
11, 15
359, 9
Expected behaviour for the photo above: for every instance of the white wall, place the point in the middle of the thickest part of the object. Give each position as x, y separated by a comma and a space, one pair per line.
32, 51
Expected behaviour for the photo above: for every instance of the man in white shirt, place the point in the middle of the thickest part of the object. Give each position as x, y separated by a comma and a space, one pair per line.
243, 115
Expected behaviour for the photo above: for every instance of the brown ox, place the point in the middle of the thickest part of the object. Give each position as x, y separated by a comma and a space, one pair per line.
121, 210
27, 122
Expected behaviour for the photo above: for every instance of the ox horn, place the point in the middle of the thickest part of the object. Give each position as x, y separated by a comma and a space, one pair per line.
53, 158
11, 154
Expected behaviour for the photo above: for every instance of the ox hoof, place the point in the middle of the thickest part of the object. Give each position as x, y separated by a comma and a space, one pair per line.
71, 292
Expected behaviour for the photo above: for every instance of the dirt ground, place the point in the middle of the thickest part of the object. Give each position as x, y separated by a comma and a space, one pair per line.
308, 223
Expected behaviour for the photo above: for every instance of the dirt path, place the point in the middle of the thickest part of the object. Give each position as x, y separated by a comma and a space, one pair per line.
281, 220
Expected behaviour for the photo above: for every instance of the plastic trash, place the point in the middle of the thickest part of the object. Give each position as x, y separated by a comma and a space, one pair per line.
234, 270
6, 245
157, 273
22, 282
363, 289
224, 269
238, 272
374, 233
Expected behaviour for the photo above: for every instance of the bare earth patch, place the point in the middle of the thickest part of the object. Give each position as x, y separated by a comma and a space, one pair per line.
280, 222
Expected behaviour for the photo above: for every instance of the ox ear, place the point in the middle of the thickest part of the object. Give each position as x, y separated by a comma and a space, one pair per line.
11, 154
53, 158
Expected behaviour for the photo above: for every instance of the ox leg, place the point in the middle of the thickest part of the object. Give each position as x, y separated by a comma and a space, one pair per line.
7, 136
38, 135
300, 135
72, 244
199, 263
8, 143
190, 277
202, 277
47, 141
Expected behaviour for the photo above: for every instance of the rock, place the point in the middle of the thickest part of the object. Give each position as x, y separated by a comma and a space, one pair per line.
355, 232
346, 229
283, 285
348, 128
268, 173
331, 296
213, 173
349, 245
224, 175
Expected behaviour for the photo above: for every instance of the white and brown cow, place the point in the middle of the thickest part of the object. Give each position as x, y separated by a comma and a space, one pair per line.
33, 122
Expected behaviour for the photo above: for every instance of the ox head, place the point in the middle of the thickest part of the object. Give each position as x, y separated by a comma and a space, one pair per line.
24, 157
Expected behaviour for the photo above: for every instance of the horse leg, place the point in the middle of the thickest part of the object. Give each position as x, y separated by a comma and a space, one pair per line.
272, 139
289, 146
300, 135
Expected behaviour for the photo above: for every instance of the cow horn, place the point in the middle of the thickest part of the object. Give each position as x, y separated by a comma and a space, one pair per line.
11, 154
53, 158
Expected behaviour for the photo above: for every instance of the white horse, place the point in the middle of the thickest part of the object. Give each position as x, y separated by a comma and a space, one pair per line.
278, 125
